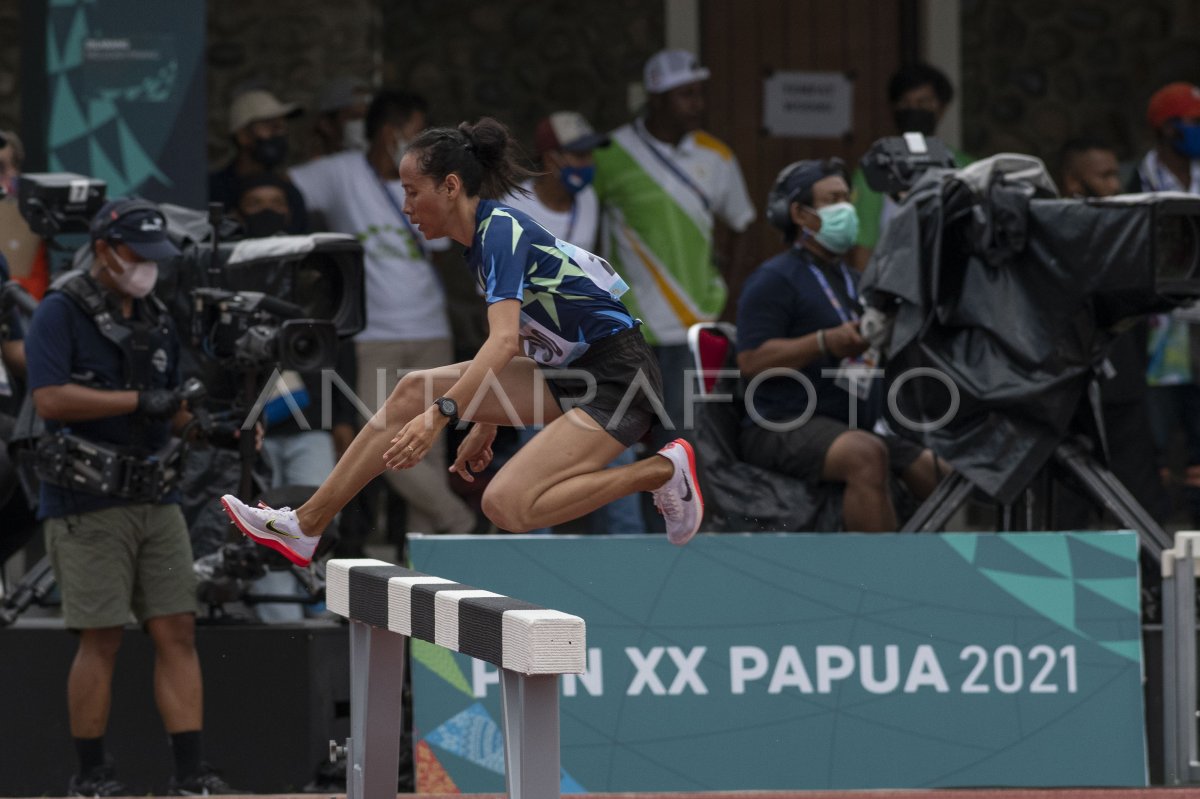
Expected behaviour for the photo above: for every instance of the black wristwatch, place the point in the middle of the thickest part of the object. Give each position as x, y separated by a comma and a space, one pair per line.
447, 407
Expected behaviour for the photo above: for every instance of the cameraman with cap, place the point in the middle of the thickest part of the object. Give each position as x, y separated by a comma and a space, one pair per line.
800, 311
103, 367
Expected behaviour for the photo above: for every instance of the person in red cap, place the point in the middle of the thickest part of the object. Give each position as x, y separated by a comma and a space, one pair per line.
1173, 164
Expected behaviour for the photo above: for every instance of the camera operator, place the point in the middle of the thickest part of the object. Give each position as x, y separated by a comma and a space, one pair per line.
800, 311
299, 447
1088, 168
103, 361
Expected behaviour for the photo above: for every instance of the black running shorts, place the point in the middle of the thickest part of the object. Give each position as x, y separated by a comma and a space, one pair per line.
624, 382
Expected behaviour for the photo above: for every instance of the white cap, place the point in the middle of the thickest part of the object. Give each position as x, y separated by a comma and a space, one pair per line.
256, 105
670, 69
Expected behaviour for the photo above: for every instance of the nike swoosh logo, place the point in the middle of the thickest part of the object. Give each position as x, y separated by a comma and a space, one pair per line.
687, 494
271, 526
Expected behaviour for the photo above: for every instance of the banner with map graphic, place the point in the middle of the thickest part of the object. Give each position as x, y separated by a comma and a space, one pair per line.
115, 89
792, 661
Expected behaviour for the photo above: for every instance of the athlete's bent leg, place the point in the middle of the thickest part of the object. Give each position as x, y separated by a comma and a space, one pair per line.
562, 474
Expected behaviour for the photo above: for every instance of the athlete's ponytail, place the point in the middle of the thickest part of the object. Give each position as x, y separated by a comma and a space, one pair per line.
484, 155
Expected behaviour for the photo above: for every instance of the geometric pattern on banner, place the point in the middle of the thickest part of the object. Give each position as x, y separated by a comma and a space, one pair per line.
1070, 580
473, 736
441, 662
126, 166
569, 785
431, 774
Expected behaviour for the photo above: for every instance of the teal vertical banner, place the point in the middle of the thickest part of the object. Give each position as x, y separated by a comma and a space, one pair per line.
123, 95
788, 662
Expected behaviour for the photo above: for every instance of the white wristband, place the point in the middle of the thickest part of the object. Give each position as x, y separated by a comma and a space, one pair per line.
821, 342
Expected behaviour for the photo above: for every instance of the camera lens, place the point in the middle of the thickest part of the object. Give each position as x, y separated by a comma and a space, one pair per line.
1176, 247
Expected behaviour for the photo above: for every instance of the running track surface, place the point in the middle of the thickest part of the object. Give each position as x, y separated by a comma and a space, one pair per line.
1024, 793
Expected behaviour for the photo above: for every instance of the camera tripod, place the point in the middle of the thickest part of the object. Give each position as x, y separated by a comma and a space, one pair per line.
1072, 462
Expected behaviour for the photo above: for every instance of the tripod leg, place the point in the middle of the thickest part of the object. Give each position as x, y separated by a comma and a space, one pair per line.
33, 587
1109, 492
937, 509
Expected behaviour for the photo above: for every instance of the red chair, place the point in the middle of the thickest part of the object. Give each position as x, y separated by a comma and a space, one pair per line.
710, 344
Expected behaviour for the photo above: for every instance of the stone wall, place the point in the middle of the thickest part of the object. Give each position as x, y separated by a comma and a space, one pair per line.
1036, 73
291, 50
10, 56
519, 60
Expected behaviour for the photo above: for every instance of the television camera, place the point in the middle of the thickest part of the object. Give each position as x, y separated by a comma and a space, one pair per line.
1004, 297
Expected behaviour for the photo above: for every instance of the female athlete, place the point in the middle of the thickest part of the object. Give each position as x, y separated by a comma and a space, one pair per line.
561, 351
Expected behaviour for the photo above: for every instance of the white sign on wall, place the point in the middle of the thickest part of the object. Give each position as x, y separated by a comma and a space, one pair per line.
809, 105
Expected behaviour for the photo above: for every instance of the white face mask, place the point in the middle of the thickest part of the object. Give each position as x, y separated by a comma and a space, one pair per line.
399, 149
354, 135
138, 278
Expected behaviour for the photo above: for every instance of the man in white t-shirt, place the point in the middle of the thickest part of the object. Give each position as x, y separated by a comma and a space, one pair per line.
407, 328
563, 200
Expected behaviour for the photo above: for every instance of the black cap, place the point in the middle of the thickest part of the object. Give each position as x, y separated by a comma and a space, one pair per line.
795, 181
139, 224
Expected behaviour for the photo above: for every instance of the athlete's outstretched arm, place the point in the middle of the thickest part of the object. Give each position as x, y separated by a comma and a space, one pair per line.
503, 344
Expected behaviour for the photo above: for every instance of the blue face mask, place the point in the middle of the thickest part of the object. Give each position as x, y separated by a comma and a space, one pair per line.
839, 227
577, 178
1187, 140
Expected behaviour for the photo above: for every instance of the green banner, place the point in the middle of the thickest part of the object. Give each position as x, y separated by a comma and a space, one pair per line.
782, 661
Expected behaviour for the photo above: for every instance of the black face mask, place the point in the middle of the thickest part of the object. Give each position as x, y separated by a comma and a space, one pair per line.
265, 223
919, 120
270, 152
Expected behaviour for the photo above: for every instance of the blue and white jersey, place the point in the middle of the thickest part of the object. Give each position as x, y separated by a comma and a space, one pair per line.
569, 297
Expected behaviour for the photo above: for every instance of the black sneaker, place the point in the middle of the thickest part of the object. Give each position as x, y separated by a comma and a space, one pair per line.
205, 783
100, 781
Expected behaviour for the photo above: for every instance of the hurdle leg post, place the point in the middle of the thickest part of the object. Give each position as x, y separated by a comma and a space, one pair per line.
376, 684
531, 750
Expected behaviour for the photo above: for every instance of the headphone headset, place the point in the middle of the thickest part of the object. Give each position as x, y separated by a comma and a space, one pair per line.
116, 210
780, 199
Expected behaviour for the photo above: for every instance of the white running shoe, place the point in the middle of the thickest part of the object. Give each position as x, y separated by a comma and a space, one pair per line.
679, 500
277, 529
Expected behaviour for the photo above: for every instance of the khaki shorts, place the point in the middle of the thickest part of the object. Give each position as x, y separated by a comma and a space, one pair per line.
111, 563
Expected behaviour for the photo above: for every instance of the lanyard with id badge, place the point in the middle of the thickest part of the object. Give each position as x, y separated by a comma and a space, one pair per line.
853, 375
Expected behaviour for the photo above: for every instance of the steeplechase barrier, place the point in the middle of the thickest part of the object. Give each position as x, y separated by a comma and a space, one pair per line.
1180, 568
531, 645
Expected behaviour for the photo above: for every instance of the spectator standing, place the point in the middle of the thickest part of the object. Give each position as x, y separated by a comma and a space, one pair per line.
119, 555
360, 194
258, 126
563, 200
799, 310
919, 95
1173, 164
341, 117
662, 184
29, 261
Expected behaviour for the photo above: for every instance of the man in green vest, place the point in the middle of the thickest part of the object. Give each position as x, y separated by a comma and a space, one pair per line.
662, 184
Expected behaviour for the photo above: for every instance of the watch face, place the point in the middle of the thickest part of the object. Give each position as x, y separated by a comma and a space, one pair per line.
448, 407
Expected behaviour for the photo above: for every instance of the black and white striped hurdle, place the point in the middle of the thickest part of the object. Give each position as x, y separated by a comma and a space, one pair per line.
531, 645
